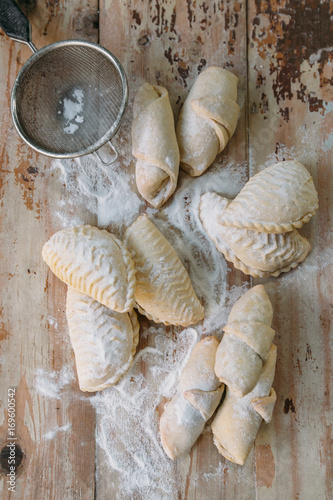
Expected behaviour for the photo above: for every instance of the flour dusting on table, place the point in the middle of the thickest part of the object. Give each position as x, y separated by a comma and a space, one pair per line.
128, 416
128, 413
50, 384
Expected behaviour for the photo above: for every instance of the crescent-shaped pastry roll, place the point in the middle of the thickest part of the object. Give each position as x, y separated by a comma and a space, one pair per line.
246, 342
94, 262
276, 200
164, 291
237, 421
154, 145
198, 395
259, 254
207, 119
104, 341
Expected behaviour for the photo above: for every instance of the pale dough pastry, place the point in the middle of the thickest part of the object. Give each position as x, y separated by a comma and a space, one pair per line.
246, 342
259, 254
164, 292
276, 200
104, 341
94, 262
237, 421
154, 145
207, 119
197, 397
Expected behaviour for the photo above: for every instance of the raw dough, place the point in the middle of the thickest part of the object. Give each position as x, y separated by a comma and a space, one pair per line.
198, 395
256, 251
154, 144
207, 119
237, 421
164, 291
276, 200
246, 342
93, 262
104, 341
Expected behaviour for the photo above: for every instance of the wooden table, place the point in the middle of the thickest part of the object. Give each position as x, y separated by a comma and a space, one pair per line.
282, 54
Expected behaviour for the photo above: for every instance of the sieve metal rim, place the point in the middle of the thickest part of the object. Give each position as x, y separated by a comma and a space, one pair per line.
36, 56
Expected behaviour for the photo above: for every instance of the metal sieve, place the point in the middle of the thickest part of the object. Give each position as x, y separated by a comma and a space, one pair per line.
69, 97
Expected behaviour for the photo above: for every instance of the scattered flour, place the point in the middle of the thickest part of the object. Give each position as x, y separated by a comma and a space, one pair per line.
50, 384
127, 434
72, 111
127, 416
53, 322
51, 434
128, 413
104, 192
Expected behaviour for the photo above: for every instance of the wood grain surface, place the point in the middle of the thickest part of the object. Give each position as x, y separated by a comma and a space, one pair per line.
282, 55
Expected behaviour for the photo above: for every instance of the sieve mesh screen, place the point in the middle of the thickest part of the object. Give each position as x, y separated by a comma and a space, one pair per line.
69, 98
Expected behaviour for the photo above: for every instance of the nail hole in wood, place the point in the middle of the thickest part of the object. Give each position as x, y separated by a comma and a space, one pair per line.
143, 41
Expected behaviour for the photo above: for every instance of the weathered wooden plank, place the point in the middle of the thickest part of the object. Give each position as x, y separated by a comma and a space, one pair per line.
54, 423
290, 115
169, 43
290, 100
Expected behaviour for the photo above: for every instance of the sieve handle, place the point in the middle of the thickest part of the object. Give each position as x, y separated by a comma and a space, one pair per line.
14, 23
113, 159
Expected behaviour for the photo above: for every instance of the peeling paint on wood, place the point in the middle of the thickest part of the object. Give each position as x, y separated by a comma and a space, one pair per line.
282, 54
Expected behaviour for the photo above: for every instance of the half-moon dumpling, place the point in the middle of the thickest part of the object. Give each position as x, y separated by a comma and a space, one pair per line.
154, 144
94, 262
246, 342
164, 292
255, 253
104, 341
207, 119
276, 200
197, 397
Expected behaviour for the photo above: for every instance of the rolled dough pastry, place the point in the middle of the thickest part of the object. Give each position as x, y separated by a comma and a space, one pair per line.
164, 291
154, 145
104, 341
94, 262
237, 421
259, 254
207, 119
197, 397
246, 342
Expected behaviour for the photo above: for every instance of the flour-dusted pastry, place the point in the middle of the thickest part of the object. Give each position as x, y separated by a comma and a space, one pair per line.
94, 262
237, 421
207, 119
276, 200
246, 342
255, 253
104, 341
154, 144
164, 291
197, 398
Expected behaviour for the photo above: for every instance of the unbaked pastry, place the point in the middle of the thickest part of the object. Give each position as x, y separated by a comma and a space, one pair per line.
246, 342
104, 341
198, 395
154, 145
94, 262
164, 292
207, 119
237, 421
276, 200
259, 254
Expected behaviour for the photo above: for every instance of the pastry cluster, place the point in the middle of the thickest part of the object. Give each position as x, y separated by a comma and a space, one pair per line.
257, 231
106, 279
244, 363
206, 122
